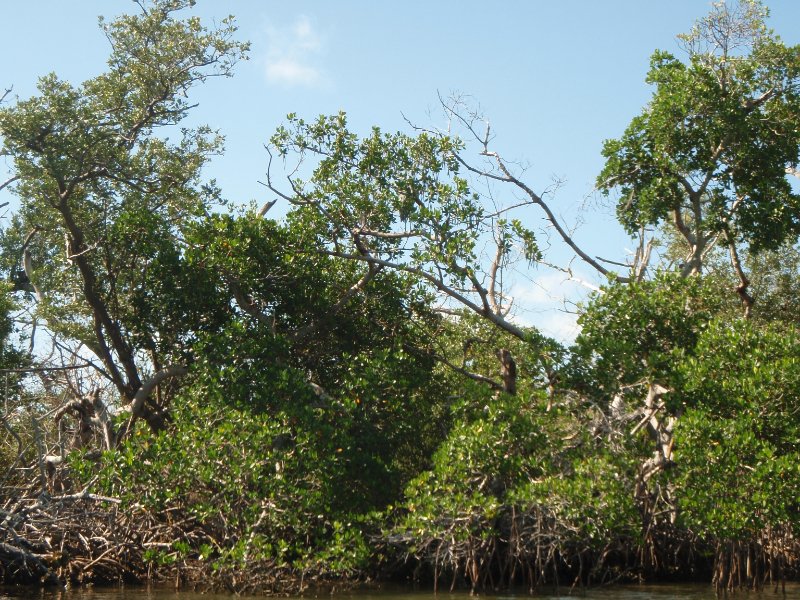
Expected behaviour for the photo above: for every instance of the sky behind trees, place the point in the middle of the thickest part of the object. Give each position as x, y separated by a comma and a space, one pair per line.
554, 79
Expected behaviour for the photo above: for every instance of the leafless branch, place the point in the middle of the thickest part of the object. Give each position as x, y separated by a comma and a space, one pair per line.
641, 259
148, 386
493, 272
495, 385
612, 262
265, 208
8, 182
482, 309
551, 218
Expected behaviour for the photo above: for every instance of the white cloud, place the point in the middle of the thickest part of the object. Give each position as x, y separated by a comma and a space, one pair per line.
541, 303
292, 73
561, 326
291, 53
548, 290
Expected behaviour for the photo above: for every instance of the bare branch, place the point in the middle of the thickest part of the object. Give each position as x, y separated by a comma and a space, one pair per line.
551, 218
483, 310
642, 258
27, 264
244, 303
572, 277
267, 205
8, 182
613, 262
148, 386
390, 235
493, 271
495, 385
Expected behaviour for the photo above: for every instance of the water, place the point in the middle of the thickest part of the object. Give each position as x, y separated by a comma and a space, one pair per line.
629, 592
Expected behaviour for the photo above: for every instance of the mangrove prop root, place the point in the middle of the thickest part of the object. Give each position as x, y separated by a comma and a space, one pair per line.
85, 538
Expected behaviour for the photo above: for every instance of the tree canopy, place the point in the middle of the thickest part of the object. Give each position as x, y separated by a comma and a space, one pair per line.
200, 393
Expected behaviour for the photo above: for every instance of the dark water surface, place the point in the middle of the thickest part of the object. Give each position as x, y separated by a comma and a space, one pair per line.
629, 592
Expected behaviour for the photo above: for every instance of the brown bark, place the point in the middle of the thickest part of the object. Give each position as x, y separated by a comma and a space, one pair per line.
138, 408
104, 325
508, 370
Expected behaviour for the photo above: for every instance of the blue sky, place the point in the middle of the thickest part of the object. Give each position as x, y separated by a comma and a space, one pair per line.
554, 78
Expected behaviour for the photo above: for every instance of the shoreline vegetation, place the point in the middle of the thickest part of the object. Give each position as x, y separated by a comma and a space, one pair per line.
208, 397
87, 539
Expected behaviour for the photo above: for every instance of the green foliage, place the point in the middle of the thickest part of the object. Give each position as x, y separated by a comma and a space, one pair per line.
364, 349
709, 152
474, 469
738, 445
741, 368
775, 281
327, 397
381, 419
726, 118
530, 478
382, 181
274, 479
639, 332
734, 483
398, 202
593, 497
494, 452
105, 193
252, 443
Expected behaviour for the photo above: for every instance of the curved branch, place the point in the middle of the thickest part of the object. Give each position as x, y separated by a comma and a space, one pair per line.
680, 225
549, 215
744, 282
136, 406
440, 285
8, 182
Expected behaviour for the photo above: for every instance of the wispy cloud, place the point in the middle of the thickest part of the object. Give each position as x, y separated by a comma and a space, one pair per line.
291, 54
540, 303
561, 326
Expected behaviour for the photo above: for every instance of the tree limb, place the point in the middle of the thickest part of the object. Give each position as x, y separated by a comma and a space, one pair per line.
744, 282
551, 218
137, 404
8, 182
103, 323
495, 385
440, 285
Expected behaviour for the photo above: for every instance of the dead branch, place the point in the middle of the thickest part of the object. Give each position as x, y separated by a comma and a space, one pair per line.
9, 181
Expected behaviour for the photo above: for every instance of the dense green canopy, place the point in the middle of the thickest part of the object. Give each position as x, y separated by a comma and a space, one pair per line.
344, 394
